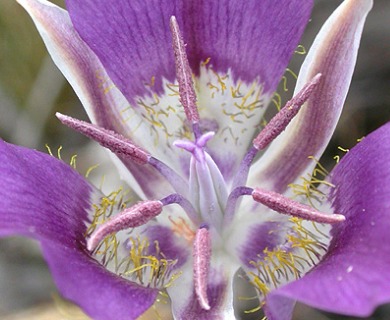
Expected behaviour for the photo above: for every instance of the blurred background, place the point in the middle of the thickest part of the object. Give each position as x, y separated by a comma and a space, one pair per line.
32, 90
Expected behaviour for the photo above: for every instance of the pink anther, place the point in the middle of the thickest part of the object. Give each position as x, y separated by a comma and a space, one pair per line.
202, 256
284, 205
135, 216
184, 74
111, 140
281, 120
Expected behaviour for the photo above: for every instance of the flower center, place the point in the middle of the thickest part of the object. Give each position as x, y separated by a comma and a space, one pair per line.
208, 190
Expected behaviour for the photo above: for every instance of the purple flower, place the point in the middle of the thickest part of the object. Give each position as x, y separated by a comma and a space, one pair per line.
216, 203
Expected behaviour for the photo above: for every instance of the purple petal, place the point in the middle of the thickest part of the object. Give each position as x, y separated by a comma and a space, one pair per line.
76, 61
258, 237
168, 244
133, 41
101, 99
333, 54
353, 278
43, 198
101, 294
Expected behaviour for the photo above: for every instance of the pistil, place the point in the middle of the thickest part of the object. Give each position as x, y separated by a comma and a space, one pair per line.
197, 147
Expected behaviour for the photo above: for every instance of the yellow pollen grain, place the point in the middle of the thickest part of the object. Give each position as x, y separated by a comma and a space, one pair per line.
205, 62
149, 110
59, 152
277, 101
295, 76
156, 100
73, 160
310, 185
220, 80
284, 79
90, 169
277, 265
300, 49
174, 88
152, 82
104, 82
108, 89
236, 94
49, 149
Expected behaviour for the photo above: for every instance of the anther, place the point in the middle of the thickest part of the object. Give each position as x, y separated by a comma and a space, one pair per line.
132, 217
184, 77
284, 205
279, 123
201, 264
274, 128
111, 140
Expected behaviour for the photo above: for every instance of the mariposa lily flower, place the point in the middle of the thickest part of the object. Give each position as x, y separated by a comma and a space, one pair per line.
216, 203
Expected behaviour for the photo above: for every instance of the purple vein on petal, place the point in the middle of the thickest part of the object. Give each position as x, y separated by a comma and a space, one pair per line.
184, 77
202, 258
123, 148
132, 217
275, 127
284, 205
333, 54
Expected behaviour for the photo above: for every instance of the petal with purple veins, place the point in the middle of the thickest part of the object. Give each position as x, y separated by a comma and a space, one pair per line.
333, 54
353, 277
43, 198
247, 47
103, 102
253, 39
100, 293
170, 246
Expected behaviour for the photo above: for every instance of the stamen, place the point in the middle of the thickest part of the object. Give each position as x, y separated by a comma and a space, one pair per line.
132, 217
232, 202
202, 257
123, 147
115, 142
274, 128
284, 205
185, 204
279, 123
184, 77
